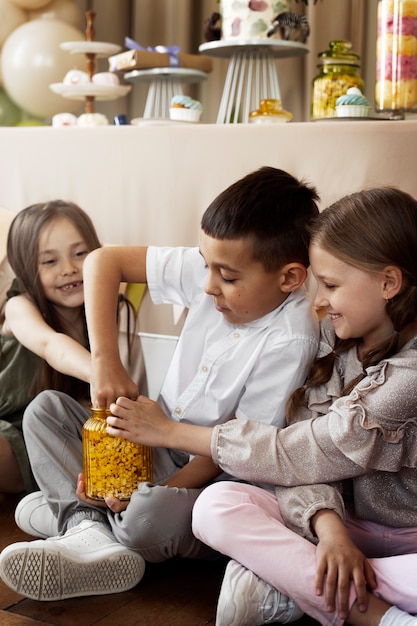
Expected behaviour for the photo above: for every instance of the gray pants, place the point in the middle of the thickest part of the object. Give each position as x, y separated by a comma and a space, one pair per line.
157, 520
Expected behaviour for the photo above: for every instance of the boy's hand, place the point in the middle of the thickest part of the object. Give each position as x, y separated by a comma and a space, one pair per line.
115, 505
109, 380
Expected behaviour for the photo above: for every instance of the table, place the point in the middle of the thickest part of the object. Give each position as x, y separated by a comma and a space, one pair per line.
251, 74
151, 184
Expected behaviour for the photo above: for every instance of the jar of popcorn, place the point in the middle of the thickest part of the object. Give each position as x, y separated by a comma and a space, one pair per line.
339, 70
113, 466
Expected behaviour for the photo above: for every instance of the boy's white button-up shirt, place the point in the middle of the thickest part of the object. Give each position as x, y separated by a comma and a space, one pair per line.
220, 370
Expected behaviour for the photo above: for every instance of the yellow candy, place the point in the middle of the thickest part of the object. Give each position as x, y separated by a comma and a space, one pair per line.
112, 466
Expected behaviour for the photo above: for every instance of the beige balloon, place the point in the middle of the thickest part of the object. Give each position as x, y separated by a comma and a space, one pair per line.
30, 4
11, 17
32, 60
65, 10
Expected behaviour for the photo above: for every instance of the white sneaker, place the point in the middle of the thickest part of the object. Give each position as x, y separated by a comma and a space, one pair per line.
34, 516
86, 561
246, 600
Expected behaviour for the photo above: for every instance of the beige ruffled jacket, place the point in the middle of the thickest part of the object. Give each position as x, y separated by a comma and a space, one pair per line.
369, 436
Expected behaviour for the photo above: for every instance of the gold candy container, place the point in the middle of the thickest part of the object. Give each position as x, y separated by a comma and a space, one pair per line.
113, 466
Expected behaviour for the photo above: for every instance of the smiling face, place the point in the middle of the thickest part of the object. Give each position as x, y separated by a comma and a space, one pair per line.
242, 290
354, 300
62, 251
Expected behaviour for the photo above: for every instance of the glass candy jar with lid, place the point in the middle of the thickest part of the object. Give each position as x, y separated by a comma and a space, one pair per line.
396, 57
339, 70
113, 466
270, 112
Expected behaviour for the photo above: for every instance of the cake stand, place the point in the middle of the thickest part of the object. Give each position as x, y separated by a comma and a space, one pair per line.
165, 82
89, 92
251, 75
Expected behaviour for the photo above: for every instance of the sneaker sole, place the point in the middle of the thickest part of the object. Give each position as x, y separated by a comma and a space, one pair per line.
48, 574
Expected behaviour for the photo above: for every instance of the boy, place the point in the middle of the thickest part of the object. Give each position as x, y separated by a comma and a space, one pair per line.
247, 341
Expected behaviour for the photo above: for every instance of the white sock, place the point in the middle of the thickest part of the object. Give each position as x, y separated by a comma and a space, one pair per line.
395, 617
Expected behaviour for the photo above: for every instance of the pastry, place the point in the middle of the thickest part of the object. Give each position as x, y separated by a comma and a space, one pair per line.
64, 119
92, 119
352, 104
105, 78
76, 77
185, 109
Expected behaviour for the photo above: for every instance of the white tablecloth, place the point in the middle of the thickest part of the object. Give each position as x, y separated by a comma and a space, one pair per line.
151, 184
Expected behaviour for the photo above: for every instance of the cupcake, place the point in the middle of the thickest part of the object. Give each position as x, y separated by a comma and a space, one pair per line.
185, 109
352, 104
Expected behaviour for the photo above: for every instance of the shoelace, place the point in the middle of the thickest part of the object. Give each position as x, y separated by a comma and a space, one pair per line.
276, 602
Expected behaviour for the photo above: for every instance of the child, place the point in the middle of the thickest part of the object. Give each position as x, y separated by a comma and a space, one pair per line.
361, 394
247, 342
44, 343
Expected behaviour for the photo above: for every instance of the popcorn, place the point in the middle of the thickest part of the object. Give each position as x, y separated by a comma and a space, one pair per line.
113, 466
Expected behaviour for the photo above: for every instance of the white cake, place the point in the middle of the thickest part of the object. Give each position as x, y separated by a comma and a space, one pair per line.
244, 19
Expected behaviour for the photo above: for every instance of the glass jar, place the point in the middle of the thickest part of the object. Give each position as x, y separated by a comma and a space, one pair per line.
339, 70
396, 57
113, 466
270, 112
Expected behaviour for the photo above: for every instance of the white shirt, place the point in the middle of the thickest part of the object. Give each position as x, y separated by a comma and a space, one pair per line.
220, 370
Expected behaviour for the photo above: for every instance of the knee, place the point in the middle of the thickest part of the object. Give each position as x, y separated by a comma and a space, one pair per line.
210, 509
155, 516
33, 413
52, 408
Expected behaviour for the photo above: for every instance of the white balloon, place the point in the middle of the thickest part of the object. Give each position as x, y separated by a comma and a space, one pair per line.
11, 18
32, 60
30, 4
65, 10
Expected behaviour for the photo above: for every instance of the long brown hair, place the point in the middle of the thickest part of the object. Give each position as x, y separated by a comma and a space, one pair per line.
369, 230
23, 255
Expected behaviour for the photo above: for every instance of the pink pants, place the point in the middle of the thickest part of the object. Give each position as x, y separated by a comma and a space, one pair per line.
244, 522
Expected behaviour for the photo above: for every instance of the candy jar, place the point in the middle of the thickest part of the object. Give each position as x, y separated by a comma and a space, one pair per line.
396, 57
113, 466
270, 112
339, 70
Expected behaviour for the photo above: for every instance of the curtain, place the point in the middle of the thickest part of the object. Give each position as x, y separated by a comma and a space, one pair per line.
180, 22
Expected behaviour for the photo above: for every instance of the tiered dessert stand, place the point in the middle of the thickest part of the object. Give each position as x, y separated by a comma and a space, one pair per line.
89, 92
251, 75
164, 83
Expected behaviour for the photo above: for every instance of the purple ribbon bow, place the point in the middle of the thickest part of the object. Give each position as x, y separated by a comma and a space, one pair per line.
172, 51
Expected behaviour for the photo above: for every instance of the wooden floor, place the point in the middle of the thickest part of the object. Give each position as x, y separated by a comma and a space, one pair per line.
174, 593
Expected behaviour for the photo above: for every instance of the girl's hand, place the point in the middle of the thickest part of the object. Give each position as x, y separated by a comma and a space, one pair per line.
111, 503
141, 421
339, 562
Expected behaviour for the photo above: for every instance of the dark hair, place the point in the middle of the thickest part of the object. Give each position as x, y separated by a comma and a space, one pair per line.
369, 230
23, 256
270, 207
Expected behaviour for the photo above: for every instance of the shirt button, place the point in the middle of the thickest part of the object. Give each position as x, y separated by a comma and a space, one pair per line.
236, 335
178, 411
205, 368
